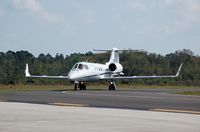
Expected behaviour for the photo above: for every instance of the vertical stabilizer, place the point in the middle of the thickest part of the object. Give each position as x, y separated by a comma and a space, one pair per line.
114, 58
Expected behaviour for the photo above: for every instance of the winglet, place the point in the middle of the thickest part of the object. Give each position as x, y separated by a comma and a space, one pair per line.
179, 69
27, 74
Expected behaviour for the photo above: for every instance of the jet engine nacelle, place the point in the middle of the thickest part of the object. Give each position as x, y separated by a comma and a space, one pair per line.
115, 67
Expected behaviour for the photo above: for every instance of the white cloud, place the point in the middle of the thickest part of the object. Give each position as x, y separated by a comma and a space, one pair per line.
192, 6
183, 15
30, 5
138, 6
35, 7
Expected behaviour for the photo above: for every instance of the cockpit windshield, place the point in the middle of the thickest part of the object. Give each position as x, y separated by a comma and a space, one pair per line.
75, 66
80, 67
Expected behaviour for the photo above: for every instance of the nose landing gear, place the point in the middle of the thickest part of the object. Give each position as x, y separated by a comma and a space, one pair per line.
79, 85
112, 86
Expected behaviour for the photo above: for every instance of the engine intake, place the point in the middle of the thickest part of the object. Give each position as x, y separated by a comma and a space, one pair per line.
115, 67
112, 67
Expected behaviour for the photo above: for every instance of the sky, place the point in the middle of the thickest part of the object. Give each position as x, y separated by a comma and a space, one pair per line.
72, 26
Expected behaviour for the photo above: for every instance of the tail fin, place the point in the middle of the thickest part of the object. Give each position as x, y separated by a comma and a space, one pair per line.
114, 58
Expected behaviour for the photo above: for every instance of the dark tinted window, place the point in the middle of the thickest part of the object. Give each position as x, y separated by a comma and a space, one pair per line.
75, 66
80, 66
83, 66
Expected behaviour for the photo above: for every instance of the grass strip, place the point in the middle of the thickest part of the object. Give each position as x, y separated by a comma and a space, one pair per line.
24, 87
189, 93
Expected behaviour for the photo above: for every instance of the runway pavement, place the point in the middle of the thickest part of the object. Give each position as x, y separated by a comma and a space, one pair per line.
139, 110
141, 99
24, 117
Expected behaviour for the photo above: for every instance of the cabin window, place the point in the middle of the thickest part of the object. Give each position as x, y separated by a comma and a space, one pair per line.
85, 67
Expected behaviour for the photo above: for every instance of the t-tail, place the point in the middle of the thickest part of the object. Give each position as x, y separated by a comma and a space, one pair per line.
113, 64
114, 58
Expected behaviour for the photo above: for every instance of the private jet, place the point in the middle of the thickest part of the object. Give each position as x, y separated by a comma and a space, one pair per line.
85, 71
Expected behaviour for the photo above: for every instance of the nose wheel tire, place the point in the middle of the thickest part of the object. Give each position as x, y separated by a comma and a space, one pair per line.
80, 85
111, 87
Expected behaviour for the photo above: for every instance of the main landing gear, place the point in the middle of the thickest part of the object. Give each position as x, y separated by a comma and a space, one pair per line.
79, 85
112, 86
82, 86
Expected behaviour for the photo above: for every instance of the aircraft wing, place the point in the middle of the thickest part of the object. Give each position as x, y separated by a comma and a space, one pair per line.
138, 77
27, 74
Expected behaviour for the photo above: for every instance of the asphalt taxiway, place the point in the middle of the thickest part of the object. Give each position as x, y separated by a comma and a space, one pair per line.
140, 99
140, 110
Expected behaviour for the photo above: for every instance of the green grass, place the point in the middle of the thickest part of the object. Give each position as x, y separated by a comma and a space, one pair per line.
15, 88
189, 93
95, 86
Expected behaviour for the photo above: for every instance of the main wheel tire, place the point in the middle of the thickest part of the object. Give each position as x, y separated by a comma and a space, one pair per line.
84, 87
80, 86
111, 87
75, 87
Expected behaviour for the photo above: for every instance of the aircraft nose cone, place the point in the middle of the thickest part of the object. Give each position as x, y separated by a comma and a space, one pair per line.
71, 76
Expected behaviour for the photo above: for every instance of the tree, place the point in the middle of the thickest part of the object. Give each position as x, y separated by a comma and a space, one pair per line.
134, 63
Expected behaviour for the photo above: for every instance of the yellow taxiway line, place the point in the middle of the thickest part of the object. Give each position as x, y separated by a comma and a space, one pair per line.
2, 100
176, 111
68, 104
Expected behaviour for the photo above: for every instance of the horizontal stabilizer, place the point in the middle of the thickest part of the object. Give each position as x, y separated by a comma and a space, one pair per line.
115, 49
114, 58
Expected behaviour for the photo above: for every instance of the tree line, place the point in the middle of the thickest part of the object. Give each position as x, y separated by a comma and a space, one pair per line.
12, 66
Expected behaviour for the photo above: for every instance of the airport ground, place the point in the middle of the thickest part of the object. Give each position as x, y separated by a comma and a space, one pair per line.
137, 97
97, 109
96, 86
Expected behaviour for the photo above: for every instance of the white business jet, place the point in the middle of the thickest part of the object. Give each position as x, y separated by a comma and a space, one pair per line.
84, 71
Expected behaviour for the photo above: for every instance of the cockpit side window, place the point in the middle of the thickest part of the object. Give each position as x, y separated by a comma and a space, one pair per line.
75, 66
83, 66
80, 66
